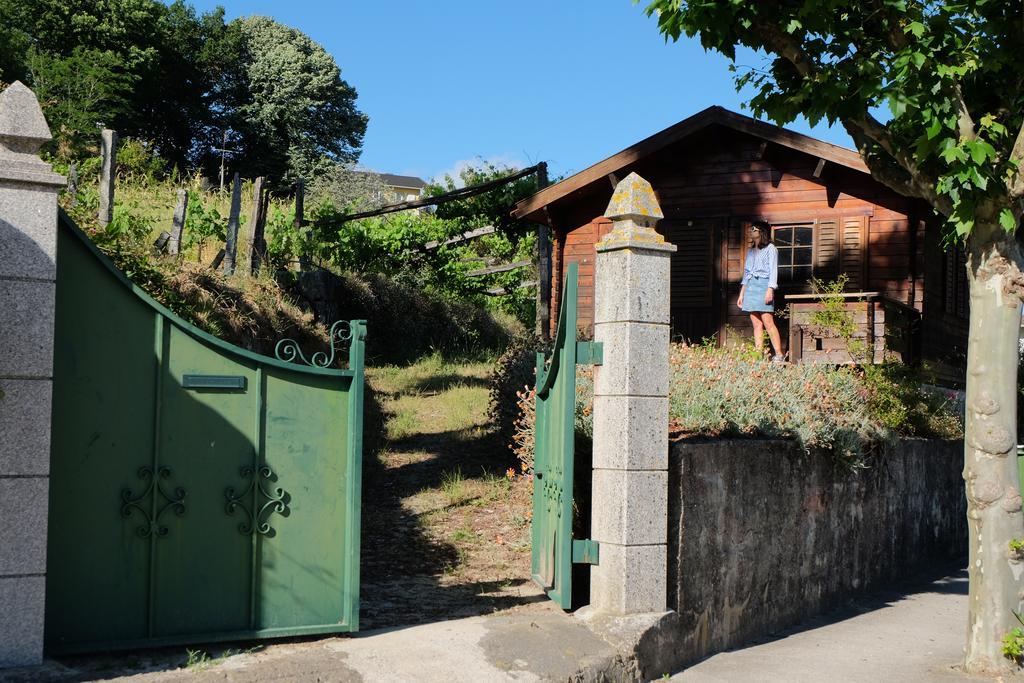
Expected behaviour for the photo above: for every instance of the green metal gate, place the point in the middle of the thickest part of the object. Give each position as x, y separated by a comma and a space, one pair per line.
198, 491
553, 548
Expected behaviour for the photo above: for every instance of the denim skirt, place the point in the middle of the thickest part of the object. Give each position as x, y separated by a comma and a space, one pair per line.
753, 298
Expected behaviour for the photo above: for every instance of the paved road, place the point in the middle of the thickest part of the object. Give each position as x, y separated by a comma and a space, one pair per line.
916, 635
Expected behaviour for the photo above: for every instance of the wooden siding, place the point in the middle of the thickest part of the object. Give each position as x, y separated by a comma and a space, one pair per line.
579, 248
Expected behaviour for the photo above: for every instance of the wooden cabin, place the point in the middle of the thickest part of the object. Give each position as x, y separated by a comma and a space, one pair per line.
717, 171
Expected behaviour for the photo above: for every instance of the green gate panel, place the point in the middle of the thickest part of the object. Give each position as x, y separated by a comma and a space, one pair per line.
202, 566
102, 441
302, 559
198, 491
554, 453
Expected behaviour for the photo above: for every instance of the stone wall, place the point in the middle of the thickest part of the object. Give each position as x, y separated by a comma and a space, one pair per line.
762, 535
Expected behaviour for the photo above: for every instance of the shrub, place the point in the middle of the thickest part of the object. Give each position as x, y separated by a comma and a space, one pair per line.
513, 376
405, 322
717, 391
731, 392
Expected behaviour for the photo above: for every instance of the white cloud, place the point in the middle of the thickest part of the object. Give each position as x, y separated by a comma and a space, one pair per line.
506, 160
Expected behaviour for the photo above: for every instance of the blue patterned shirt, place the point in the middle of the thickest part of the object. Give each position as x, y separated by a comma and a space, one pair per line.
762, 263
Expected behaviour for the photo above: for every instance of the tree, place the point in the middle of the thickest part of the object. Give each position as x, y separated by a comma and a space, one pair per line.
951, 77
80, 93
296, 116
158, 49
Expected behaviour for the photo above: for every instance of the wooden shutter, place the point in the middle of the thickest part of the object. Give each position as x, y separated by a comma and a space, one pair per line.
949, 282
962, 285
826, 250
853, 251
956, 289
691, 264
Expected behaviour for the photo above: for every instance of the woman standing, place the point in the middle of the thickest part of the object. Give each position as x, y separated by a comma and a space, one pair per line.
757, 291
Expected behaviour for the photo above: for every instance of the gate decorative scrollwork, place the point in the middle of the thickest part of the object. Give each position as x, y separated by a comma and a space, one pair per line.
341, 333
258, 517
175, 502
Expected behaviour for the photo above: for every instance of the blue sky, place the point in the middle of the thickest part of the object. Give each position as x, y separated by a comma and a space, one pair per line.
567, 81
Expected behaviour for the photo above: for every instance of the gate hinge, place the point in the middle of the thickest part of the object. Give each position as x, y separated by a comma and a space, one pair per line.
589, 353
586, 552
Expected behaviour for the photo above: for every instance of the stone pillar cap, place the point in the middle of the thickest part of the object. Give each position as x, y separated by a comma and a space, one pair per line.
23, 131
21, 116
634, 198
634, 210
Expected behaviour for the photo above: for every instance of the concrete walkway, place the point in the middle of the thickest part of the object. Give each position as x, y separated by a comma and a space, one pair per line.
540, 644
914, 635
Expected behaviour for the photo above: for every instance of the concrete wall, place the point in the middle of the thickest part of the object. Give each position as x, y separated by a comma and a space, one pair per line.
762, 535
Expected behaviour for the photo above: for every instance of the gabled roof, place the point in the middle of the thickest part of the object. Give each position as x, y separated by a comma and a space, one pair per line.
711, 116
403, 181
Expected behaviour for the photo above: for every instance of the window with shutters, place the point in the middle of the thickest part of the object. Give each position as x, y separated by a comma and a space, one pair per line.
822, 249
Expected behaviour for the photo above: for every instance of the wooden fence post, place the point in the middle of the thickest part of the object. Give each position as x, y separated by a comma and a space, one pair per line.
259, 220
178, 222
543, 265
108, 148
231, 243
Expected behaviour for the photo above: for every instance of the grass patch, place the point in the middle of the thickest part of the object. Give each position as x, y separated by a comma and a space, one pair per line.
453, 486
464, 534
198, 660
404, 421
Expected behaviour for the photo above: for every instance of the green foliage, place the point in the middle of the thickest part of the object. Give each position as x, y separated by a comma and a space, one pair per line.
1017, 546
1013, 643
898, 400
203, 224
393, 245
163, 73
490, 208
298, 115
832, 318
139, 162
948, 73
80, 93
896, 397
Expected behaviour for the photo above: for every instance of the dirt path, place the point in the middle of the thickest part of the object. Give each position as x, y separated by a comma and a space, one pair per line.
445, 532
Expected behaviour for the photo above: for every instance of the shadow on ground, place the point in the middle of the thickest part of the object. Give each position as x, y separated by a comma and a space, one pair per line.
407, 573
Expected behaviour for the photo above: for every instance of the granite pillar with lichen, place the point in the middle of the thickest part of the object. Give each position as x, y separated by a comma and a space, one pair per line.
28, 273
630, 479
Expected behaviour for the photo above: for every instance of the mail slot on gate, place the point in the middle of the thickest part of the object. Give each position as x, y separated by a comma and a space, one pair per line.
223, 382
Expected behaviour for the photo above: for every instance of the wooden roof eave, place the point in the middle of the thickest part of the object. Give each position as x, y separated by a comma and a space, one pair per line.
532, 207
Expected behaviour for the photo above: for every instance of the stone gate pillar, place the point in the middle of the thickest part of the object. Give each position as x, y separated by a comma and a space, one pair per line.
28, 246
629, 516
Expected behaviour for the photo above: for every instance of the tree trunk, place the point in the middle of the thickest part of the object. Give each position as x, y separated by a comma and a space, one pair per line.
990, 463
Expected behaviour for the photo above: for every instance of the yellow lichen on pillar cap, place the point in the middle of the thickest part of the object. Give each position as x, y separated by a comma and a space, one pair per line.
634, 198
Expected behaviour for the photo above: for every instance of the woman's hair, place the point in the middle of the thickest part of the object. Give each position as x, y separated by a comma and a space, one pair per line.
766, 235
